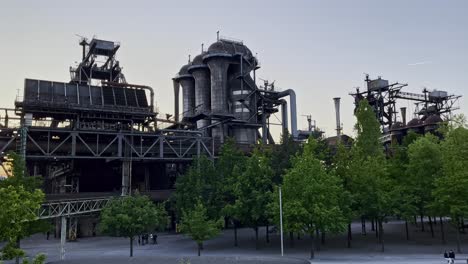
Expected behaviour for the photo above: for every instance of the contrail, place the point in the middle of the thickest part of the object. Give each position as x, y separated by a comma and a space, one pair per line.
419, 63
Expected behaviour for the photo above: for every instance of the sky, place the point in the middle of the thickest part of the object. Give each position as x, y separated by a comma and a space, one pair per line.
321, 49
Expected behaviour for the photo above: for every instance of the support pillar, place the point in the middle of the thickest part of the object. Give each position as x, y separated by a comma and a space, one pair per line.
63, 237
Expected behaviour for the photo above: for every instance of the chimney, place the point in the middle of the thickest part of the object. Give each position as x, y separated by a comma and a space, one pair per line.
176, 100
403, 115
337, 110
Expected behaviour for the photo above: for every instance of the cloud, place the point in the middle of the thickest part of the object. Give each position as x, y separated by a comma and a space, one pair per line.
420, 63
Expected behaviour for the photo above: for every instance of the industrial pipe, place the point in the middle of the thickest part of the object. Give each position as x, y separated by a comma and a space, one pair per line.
176, 99
292, 101
284, 115
337, 111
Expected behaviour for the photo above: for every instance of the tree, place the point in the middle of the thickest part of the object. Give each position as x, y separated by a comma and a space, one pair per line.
201, 180
450, 193
18, 207
371, 187
311, 196
253, 191
281, 156
196, 224
424, 166
342, 165
229, 158
129, 216
21, 179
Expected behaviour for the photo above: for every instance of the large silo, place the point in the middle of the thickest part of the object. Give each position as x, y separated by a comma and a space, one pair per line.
188, 90
201, 75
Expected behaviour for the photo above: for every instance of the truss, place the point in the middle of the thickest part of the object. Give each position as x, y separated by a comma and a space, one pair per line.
68, 208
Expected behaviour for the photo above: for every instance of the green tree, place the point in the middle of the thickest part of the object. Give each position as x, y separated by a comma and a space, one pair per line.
230, 158
312, 197
371, 187
253, 191
450, 193
282, 155
20, 178
129, 216
201, 180
18, 207
424, 166
196, 224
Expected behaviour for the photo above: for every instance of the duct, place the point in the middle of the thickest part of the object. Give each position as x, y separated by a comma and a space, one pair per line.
292, 101
176, 99
284, 115
337, 111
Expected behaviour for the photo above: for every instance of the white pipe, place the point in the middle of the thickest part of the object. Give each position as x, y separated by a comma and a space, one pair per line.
337, 110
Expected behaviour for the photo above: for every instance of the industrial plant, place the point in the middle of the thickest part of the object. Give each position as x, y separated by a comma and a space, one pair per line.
97, 135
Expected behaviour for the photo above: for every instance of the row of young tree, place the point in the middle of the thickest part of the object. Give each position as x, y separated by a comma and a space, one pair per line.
323, 189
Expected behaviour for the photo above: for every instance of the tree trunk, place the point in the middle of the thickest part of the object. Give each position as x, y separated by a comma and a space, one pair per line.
235, 234
442, 230
267, 235
381, 234
415, 221
363, 226
323, 238
312, 254
407, 231
349, 236
372, 225
298, 236
317, 237
430, 226
18, 246
422, 223
131, 246
256, 237
458, 237
463, 225
199, 248
291, 239
377, 230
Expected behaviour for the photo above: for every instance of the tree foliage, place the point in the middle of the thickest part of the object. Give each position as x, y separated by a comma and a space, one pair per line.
252, 191
129, 216
203, 181
196, 224
312, 197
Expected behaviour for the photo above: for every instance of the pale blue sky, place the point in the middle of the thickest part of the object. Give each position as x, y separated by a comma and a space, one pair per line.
319, 48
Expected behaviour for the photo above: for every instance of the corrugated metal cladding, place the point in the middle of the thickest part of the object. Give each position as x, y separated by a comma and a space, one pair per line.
38, 91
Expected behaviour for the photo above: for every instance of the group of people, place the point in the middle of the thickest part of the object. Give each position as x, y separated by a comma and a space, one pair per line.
144, 239
450, 256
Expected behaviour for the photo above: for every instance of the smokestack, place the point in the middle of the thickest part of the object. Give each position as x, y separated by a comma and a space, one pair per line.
403, 115
338, 122
176, 100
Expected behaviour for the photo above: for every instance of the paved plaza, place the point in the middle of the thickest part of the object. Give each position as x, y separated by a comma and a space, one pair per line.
176, 248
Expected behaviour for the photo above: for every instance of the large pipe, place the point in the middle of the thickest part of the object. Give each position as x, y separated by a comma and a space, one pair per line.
284, 115
403, 115
176, 99
292, 101
337, 111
